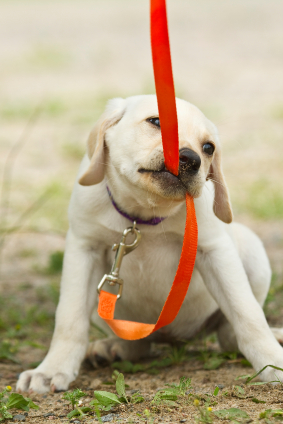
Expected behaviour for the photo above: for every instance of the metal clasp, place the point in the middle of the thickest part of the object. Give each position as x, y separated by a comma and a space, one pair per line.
122, 249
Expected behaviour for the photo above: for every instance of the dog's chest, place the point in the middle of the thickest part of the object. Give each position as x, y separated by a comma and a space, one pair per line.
148, 273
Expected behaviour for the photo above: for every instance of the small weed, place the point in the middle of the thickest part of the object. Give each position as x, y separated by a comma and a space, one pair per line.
55, 262
74, 396
212, 360
216, 390
238, 392
178, 354
255, 400
171, 393
7, 351
203, 400
259, 383
205, 413
149, 417
152, 368
104, 401
271, 413
54, 266
74, 399
231, 414
14, 400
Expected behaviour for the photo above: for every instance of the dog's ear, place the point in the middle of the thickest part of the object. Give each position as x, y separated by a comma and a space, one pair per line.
96, 143
222, 205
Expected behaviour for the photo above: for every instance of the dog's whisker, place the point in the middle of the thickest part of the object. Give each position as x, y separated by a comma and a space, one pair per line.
108, 163
217, 182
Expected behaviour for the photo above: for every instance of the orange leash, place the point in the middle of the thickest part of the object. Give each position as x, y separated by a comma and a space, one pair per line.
164, 84
130, 330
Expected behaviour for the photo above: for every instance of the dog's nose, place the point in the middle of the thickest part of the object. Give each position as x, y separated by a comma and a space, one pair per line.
189, 161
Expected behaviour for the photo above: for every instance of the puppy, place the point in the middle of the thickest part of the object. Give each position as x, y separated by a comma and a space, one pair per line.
125, 167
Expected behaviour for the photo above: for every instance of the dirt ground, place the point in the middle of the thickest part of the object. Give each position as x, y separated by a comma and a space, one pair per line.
60, 62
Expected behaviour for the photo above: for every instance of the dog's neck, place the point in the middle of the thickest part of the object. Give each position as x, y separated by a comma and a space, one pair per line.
152, 221
143, 209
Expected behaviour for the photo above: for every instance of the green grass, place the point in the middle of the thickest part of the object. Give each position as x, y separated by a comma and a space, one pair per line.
277, 111
29, 317
22, 110
53, 215
47, 57
273, 302
73, 150
262, 199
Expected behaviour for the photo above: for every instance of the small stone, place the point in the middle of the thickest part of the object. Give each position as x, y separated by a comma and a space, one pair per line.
49, 414
109, 417
183, 421
221, 386
95, 383
19, 417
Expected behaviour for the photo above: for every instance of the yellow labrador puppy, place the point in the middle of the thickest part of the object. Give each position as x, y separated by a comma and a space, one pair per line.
123, 178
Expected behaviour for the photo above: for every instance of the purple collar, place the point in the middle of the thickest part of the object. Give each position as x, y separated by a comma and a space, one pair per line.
152, 221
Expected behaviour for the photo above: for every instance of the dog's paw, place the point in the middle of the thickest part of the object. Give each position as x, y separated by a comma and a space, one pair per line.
42, 382
272, 375
102, 352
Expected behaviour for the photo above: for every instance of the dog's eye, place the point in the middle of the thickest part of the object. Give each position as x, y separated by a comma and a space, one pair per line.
154, 121
208, 148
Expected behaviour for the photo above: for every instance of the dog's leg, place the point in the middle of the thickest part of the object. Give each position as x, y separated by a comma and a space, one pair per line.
113, 349
224, 275
257, 268
70, 339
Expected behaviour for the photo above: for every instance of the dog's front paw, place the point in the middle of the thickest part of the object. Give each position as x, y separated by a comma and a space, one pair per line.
272, 375
102, 352
42, 382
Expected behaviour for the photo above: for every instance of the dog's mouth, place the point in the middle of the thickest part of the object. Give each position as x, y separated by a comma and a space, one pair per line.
170, 184
176, 186
163, 172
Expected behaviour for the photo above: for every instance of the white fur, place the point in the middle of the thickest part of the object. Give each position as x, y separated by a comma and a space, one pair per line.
232, 271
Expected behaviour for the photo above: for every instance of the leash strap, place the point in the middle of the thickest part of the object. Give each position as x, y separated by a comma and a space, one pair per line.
164, 84
130, 330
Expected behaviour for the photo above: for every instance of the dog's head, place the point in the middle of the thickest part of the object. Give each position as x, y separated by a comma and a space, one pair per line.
126, 147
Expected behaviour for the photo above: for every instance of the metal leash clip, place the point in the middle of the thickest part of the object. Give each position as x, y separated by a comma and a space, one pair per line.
122, 249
